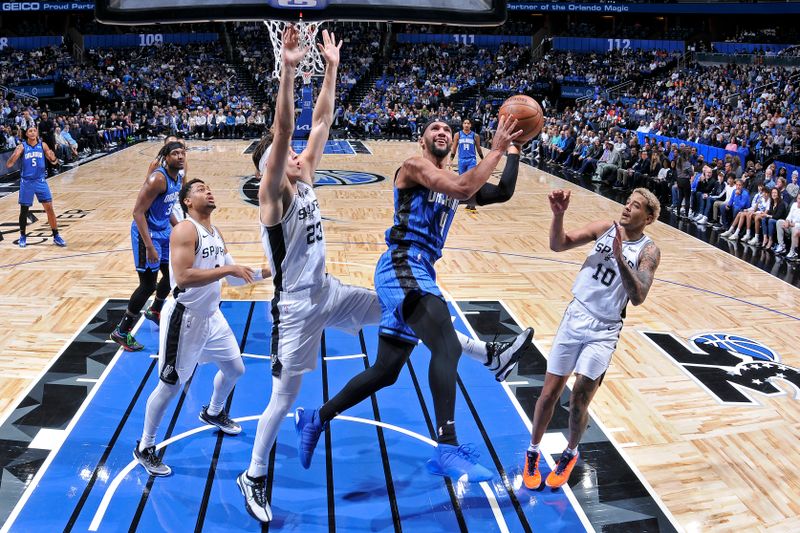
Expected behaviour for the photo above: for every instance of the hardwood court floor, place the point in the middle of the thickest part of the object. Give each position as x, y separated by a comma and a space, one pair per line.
715, 465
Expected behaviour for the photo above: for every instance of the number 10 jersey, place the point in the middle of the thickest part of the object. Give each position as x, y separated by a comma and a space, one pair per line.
598, 285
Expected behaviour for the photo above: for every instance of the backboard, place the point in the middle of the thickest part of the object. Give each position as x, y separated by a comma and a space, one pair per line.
452, 12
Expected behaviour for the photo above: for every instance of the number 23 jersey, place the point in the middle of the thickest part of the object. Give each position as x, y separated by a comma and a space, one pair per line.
296, 245
599, 285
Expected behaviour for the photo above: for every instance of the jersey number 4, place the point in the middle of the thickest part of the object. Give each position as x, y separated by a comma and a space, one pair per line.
314, 233
605, 276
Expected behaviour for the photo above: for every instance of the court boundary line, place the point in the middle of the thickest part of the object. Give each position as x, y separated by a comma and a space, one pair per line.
646, 484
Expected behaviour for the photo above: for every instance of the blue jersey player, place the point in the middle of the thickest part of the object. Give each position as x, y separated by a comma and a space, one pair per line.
426, 196
33, 181
150, 233
467, 144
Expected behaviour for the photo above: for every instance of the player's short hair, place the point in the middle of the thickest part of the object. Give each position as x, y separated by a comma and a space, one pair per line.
652, 204
185, 190
261, 148
431, 121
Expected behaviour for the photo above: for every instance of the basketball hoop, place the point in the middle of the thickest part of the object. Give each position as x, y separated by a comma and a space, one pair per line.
312, 64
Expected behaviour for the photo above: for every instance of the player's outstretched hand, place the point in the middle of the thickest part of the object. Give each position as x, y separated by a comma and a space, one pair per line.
291, 53
329, 49
243, 272
506, 133
616, 247
559, 200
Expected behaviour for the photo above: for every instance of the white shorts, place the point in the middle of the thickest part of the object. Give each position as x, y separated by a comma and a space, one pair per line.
187, 339
299, 318
583, 344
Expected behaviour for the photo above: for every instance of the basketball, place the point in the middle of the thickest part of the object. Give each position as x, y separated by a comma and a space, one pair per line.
528, 112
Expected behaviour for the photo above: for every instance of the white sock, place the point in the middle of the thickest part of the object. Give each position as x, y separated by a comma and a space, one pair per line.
573, 451
533, 448
474, 349
157, 405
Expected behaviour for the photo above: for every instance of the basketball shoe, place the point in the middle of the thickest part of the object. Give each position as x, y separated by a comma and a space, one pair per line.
254, 491
222, 421
459, 463
23, 241
309, 428
58, 240
126, 340
153, 315
150, 461
504, 356
530, 474
563, 469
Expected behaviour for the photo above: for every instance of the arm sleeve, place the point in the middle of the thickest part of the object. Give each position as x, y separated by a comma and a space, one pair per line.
233, 281
502, 192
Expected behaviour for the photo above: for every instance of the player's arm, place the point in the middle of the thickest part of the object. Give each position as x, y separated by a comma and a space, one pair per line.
418, 170
15, 156
153, 186
49, 154
561, 240
490, 193
637, 282
478, 149
455, 145
182, 245
273, 176
322, 117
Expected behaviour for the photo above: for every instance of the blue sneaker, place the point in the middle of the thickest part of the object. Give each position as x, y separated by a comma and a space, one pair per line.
309, 428
58, 240
23, 241
459, 463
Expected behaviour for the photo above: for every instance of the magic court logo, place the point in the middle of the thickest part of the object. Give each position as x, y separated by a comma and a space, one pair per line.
733, 369
322, 178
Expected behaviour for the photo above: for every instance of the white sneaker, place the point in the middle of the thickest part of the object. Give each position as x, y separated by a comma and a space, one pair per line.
754, 241
255, 496
792, 255
726, 234
746, 236
733, 236
504, 356
780, 249
702, 220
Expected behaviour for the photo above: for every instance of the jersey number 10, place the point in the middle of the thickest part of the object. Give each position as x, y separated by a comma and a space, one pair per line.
605, 276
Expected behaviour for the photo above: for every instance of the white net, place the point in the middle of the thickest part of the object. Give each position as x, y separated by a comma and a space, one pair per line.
312, 64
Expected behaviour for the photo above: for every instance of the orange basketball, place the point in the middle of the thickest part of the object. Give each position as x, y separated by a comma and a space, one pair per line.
528, 112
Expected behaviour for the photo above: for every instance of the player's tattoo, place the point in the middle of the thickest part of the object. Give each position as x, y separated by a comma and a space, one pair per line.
637, 282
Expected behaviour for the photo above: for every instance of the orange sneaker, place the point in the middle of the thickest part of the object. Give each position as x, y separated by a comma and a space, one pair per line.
530, 474
563, 469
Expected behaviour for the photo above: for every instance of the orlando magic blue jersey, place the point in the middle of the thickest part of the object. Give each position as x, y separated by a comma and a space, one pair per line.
33, 166
158, 215
466, 146
422, 219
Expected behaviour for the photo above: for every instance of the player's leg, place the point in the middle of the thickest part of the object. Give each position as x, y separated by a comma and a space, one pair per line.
163, 287
177, 356
26, 190
122, 333
593, 361
464, 166
221, 348
429, 318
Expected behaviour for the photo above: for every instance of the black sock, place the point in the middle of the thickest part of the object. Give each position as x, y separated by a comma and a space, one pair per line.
158, 304
446, 434
127, 322
55, 232
23, 219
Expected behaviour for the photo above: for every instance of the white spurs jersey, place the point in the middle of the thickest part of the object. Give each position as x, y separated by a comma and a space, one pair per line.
208, 253
599, 285
295, 246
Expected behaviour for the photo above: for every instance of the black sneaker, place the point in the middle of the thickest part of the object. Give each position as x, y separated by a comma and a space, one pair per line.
255, 496
504, 356
150, 461
125, 340
222, 421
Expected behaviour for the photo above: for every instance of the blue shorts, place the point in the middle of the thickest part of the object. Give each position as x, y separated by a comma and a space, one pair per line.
27, 188
398, 274
160, 241
464, 165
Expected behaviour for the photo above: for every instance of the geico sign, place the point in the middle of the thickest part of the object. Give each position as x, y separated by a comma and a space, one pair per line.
21, 6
